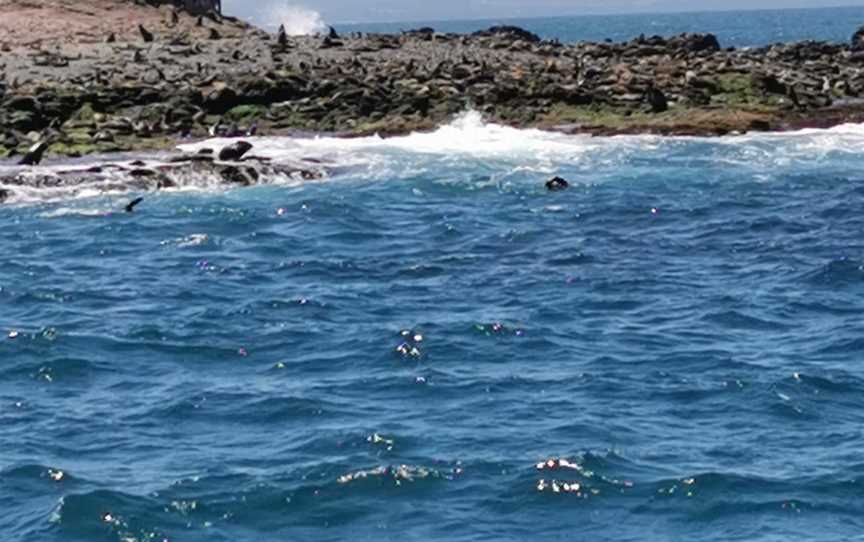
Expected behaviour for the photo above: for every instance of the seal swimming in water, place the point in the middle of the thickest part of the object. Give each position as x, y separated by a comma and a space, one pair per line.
557, 183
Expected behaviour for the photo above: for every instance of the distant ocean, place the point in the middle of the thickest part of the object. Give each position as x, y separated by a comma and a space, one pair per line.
733, 28
430, 346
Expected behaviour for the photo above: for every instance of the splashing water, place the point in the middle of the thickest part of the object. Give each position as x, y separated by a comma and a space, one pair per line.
298, 20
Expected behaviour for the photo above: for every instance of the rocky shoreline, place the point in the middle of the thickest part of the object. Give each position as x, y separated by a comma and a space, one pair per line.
186, 77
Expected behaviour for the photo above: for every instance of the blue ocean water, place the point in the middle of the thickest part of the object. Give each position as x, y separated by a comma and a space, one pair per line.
395, 352
733, 28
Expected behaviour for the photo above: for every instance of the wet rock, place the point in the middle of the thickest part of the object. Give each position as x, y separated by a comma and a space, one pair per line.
4, 195
238, 175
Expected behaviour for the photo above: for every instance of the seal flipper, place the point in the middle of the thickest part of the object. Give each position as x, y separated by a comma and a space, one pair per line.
130, 207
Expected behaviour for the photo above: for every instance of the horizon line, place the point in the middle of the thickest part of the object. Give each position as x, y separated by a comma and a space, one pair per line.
599, 14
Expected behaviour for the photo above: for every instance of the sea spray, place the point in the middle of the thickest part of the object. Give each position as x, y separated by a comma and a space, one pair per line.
297, 20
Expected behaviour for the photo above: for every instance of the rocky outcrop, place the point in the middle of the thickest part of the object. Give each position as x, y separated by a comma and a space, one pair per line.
512, 33
102, 97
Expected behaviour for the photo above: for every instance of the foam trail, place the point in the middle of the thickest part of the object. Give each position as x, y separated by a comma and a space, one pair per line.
297, 20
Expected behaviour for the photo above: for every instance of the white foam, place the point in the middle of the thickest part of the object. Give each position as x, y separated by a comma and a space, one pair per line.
297, 20
479, 155
467, 137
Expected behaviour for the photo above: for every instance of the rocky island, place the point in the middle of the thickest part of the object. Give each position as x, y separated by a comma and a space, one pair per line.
99, 76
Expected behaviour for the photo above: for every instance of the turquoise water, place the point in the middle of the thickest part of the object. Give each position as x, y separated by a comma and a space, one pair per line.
388, 354
733, 28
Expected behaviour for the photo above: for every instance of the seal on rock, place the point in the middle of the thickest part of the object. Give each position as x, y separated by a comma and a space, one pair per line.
145, 34
282, 37
234, 152
34, 155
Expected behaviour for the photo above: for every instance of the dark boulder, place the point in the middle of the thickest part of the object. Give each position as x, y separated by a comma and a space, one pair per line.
239, 175
424, 34
696, 43
508, 32
221, 100
4, 195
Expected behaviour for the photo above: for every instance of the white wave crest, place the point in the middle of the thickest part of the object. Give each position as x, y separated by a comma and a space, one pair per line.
297, 20
476, 154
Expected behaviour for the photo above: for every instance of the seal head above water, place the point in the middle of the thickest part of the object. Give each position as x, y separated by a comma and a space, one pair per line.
557, 183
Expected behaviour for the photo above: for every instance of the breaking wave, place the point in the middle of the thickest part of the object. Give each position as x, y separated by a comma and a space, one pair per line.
297, 20
467, 152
